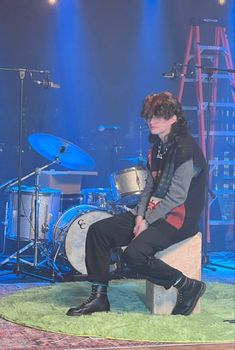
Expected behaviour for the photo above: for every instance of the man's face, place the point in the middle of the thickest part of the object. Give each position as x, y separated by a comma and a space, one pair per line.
161, 126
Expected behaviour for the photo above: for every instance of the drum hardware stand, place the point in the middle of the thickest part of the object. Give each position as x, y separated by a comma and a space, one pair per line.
7, 183
55, 268
59, 273
5, 226
13, 256
35, 243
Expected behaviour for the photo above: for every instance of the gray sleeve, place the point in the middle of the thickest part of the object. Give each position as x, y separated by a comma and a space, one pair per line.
145, 196
177, 192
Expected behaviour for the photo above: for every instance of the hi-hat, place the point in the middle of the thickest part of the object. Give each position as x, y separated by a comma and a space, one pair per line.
136, 160
69, 155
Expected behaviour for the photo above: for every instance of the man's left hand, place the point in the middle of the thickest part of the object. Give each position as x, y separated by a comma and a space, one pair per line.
140, 227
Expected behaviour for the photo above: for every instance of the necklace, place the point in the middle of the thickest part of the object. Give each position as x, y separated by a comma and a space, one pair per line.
161, 151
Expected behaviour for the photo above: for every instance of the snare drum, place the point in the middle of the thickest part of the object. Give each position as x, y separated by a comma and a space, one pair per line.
100, 197
71, 230
49, 211
128, 184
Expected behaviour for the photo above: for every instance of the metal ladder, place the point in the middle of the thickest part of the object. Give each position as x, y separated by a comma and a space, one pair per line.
206, 81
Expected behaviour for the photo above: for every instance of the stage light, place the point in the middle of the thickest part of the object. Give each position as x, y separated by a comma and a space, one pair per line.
52, 2
221, 2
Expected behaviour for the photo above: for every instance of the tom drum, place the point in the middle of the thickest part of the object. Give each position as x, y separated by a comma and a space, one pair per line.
100, 197
128, 184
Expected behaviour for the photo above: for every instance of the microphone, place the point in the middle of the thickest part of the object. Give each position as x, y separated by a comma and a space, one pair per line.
170, 75
101, 128
46, 83
175, 72
210, 20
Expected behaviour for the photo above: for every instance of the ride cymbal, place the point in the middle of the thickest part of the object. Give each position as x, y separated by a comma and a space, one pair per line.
69, 155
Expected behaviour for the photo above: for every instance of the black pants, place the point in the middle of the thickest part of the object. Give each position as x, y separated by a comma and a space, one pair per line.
117, 231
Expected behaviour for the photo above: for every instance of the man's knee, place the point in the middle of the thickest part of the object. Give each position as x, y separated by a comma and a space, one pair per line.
98, 231
93, 230
133, 257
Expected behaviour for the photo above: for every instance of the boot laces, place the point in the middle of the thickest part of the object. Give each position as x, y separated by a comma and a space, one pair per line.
180, 297
89, 299
181, 290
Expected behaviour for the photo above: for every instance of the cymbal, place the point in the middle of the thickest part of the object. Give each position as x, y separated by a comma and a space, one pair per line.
136, 160
69, 155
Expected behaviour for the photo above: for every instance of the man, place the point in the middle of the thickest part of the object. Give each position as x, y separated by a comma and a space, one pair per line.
168, 212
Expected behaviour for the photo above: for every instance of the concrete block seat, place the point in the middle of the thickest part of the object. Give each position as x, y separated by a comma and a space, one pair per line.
184, 256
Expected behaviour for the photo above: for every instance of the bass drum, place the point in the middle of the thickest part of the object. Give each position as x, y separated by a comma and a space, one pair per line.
71, 230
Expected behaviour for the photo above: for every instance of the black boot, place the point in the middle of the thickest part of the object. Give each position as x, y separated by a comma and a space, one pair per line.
189, 292
97, 301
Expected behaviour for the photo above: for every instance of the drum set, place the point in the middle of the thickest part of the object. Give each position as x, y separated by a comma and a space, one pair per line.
61, 233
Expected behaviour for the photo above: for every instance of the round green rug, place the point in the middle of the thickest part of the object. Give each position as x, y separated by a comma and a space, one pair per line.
45, 308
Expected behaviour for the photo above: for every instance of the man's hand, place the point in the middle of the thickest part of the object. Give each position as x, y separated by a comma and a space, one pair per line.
140, 225
153, 203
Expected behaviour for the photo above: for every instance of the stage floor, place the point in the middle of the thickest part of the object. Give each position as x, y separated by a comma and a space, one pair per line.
18, 337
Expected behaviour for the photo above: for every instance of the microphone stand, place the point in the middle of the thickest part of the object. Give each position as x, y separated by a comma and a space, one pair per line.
21, 74
141, 160
20, 137
115, 151
205, 256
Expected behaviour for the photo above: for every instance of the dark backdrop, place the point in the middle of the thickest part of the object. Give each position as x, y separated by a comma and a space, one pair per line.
107, 55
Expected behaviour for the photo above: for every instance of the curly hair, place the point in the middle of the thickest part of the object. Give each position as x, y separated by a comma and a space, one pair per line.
165, 105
